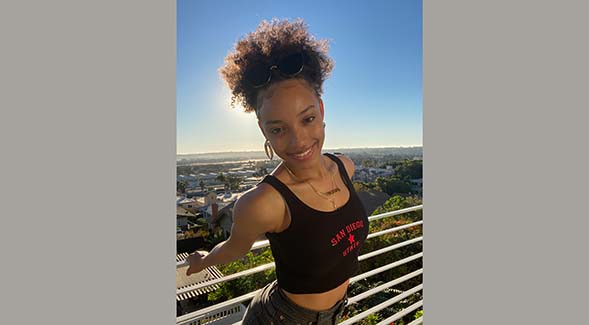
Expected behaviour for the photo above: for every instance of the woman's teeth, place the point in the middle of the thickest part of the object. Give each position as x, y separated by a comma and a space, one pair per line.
301, 155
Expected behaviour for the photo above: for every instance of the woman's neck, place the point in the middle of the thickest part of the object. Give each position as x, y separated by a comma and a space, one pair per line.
316, 172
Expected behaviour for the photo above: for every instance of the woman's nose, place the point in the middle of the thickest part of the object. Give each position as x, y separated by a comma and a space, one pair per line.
298, 138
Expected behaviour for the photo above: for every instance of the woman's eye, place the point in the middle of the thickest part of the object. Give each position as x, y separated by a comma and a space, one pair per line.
310, 119
275, 130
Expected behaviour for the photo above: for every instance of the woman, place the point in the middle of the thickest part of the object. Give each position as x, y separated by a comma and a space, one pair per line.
307, 206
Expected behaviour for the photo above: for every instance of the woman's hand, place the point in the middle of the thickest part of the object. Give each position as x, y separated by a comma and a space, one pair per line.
195, 262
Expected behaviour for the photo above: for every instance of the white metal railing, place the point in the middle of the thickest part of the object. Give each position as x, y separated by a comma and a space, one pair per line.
199, 316
384, 286
263, 267
382, 305
402, 313
265, 243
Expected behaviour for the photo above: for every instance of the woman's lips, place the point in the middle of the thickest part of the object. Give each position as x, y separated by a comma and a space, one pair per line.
304, 155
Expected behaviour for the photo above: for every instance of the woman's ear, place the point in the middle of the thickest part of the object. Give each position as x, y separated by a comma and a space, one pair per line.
321, 108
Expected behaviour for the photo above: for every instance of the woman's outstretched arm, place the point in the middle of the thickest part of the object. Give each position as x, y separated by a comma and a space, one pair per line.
254, 214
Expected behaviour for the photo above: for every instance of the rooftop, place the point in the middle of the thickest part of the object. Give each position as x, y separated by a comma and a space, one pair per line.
203, 277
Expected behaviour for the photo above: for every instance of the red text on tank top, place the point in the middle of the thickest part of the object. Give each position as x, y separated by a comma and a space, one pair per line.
347, 233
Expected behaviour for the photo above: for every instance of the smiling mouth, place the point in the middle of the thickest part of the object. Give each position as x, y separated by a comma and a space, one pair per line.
303, 154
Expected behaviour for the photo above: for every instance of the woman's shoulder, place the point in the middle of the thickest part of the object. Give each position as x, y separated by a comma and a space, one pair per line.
261, 202
348, 163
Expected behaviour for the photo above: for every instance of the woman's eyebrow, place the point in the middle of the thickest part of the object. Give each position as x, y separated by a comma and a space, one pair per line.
306, 109
300, 113
272, 122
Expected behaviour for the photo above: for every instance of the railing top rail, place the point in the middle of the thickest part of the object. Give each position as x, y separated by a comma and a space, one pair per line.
396, 212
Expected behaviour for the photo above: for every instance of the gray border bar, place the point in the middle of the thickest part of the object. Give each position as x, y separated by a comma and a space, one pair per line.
505, 162
87, 127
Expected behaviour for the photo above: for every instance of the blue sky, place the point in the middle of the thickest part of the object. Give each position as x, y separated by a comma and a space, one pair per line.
372, 99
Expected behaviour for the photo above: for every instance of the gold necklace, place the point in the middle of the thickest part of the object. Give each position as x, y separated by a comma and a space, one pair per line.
324, 195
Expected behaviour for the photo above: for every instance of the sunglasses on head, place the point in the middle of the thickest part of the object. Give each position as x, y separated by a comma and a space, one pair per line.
259, 74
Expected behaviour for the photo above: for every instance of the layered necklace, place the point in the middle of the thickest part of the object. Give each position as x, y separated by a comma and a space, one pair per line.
329, 195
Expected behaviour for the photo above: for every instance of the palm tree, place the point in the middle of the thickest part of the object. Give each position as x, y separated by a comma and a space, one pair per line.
181, 186
213, 239
201, 222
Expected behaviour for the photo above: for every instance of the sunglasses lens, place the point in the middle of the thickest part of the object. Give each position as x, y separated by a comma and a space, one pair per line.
258, 75
291, 64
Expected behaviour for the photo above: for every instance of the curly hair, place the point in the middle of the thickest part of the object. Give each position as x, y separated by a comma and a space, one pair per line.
271, 39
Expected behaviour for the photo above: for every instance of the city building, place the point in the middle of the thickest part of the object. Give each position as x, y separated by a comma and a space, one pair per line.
182, 216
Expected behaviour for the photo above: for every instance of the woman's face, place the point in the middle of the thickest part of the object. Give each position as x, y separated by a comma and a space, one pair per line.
291, 118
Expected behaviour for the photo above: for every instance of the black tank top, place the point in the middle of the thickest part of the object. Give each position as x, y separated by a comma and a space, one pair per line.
319, 250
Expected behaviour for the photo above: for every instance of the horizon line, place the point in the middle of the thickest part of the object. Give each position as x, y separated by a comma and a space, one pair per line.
229, 151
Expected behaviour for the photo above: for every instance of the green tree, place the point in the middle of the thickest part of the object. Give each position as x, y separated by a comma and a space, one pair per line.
233, 182
409, 169
368, 163
201, 222
398, 202
392, 185
360, 186
181, 186
220, 177
213, 239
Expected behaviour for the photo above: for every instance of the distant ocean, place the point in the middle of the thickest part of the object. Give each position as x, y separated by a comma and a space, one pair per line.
233, 156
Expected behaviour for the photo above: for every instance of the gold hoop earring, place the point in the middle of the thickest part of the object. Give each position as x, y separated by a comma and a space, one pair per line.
268, 148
